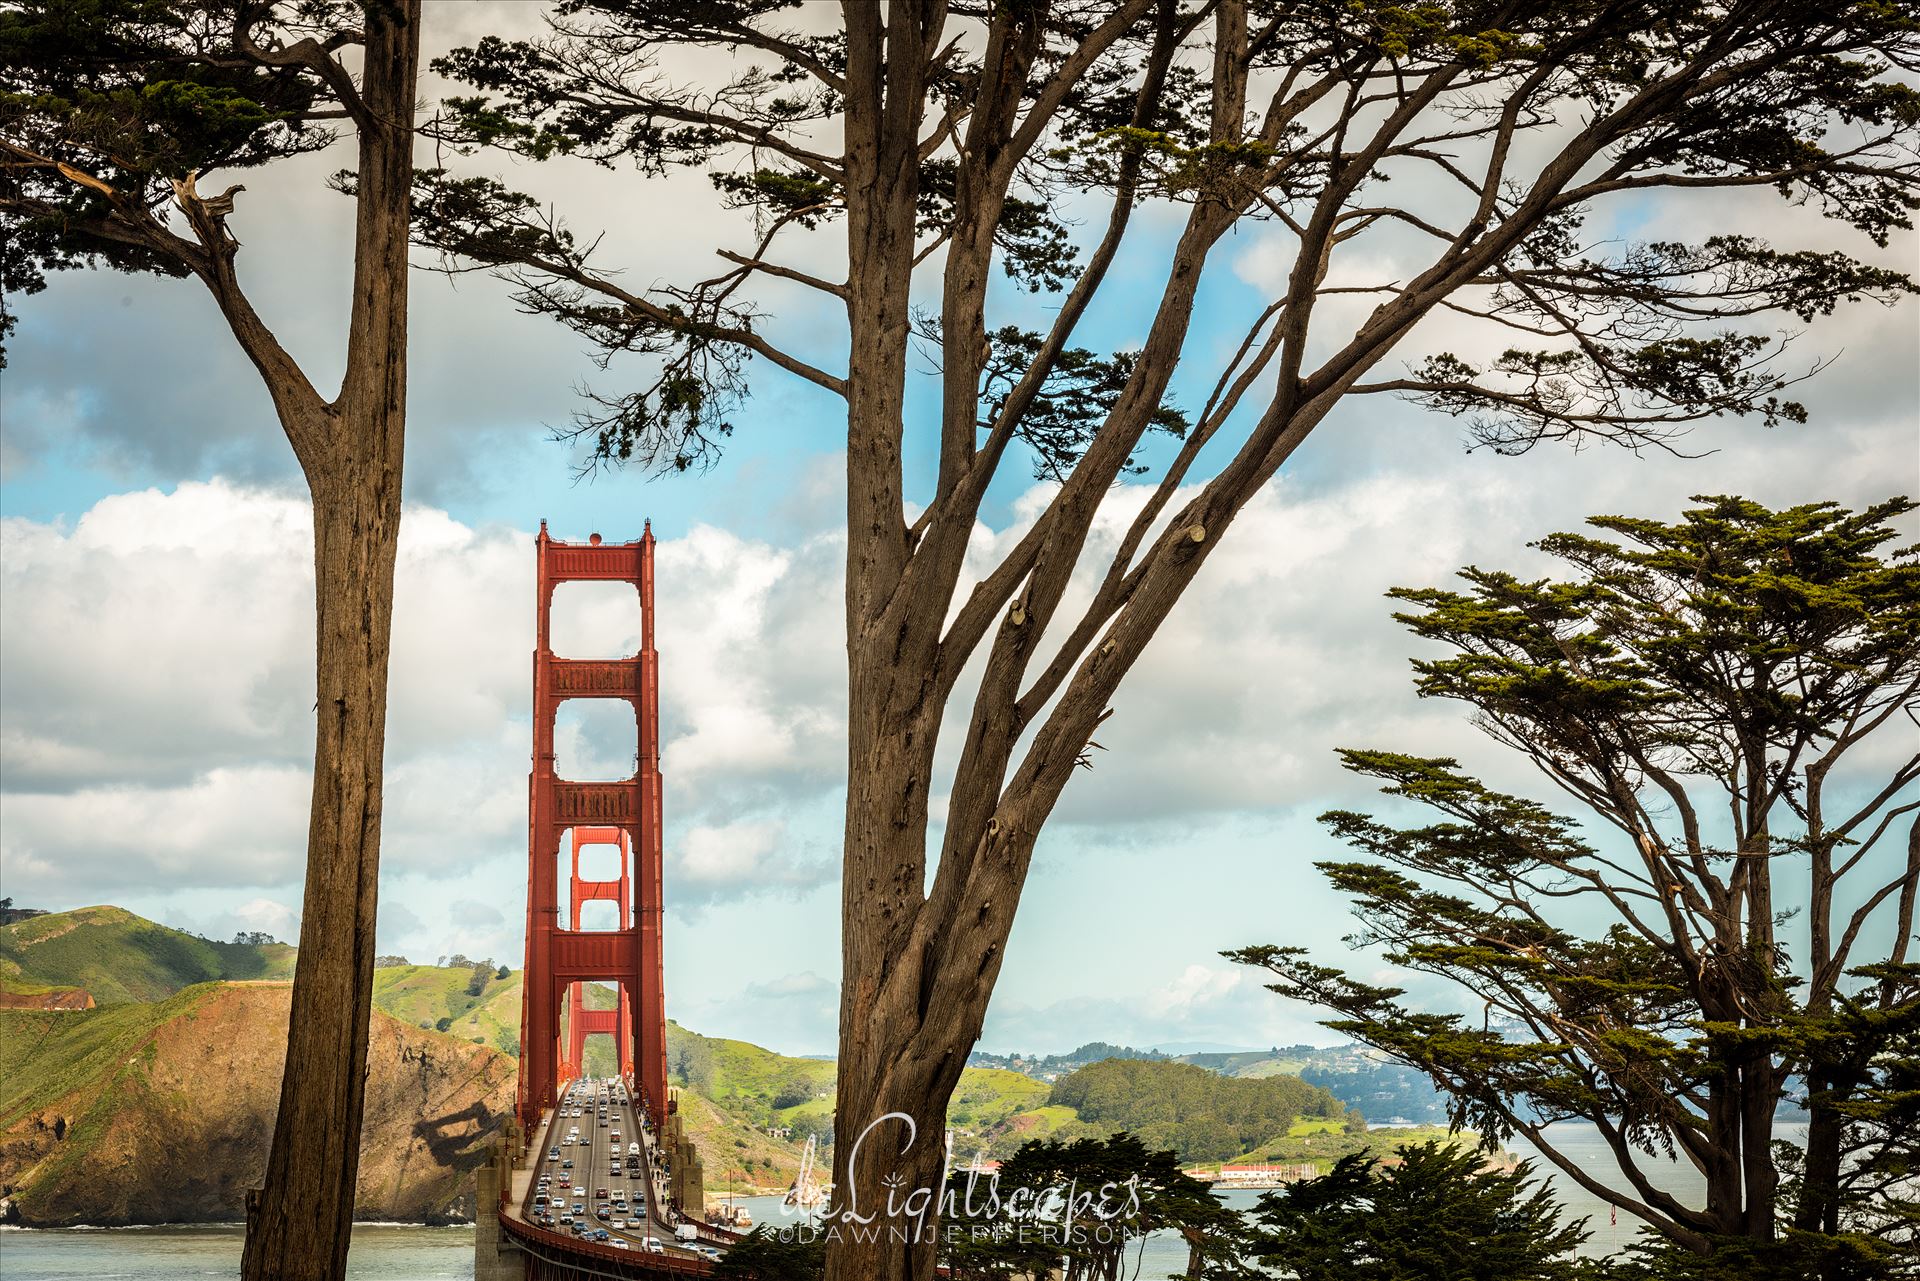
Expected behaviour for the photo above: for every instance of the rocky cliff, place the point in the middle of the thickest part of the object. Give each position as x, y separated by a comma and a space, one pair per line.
164, 1113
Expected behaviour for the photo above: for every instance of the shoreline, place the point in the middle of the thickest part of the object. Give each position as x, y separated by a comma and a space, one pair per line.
219, 1225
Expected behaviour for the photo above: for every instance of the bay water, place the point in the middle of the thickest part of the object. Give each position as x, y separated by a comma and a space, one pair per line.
384, 1252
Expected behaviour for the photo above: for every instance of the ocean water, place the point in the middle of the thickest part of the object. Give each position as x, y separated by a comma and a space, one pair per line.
398, 1253
379, 1253
1164, 1253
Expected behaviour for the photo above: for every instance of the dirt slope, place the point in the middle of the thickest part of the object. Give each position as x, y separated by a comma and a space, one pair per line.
164, 1113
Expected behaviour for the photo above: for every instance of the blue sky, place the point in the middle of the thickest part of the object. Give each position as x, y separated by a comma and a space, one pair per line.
155, 643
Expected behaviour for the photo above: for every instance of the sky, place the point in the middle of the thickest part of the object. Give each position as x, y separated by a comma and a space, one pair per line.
156, 615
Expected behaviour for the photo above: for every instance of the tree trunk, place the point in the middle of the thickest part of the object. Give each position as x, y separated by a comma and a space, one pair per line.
1756, 1146
890, 727
298, 1224
1818, 1209
886, 1222
297, 1228
890, 1107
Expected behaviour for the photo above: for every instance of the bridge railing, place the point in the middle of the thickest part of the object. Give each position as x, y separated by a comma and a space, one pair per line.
559, 1251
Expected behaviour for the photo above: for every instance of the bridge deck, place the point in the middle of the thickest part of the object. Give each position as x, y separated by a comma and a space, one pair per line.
591, 1158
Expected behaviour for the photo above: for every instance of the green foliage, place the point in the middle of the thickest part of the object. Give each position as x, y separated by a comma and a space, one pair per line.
1198, 1114
1429, 1215
1076, 1206
1645, 376
1795, 1257
119, 957
793, 1091
1078, 393
760, 1088
764, 1256
1719, 666
134, 94
46, 1056
690, 1058
1635, 344
427, 995
1323, 1143
1862, 1218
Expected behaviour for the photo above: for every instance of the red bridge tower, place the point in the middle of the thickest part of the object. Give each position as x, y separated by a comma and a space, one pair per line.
561, 957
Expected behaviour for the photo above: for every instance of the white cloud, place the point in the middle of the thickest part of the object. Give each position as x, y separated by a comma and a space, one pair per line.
806, 983
156, 668
1201, 1004
742, 857
155, 664
272, 916
232, 826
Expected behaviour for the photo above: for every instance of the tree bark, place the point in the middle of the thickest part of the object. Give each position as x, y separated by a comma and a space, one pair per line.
891, 725
298, 1225
297, 1229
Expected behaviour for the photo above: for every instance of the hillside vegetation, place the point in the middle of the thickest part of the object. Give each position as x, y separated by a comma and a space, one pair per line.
163, 1113
1199, 1115
119, 958
468, 1002
1380, 1090
69, 1080
762, 1090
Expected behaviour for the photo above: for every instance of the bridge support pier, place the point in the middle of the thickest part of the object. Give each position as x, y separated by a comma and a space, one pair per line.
686, 1180
495, 1256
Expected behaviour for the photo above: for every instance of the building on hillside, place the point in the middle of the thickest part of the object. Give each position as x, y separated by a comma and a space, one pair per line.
1264, 1176
59, 999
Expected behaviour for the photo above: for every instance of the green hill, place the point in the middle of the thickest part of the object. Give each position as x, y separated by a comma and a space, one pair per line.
748, 1108
1200, 1115
97, 1107
768, 1091
476, 1004
43, 1056
119, 958
987, 1100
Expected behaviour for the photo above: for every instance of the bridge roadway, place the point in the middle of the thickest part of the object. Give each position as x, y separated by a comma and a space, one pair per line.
587, 1164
